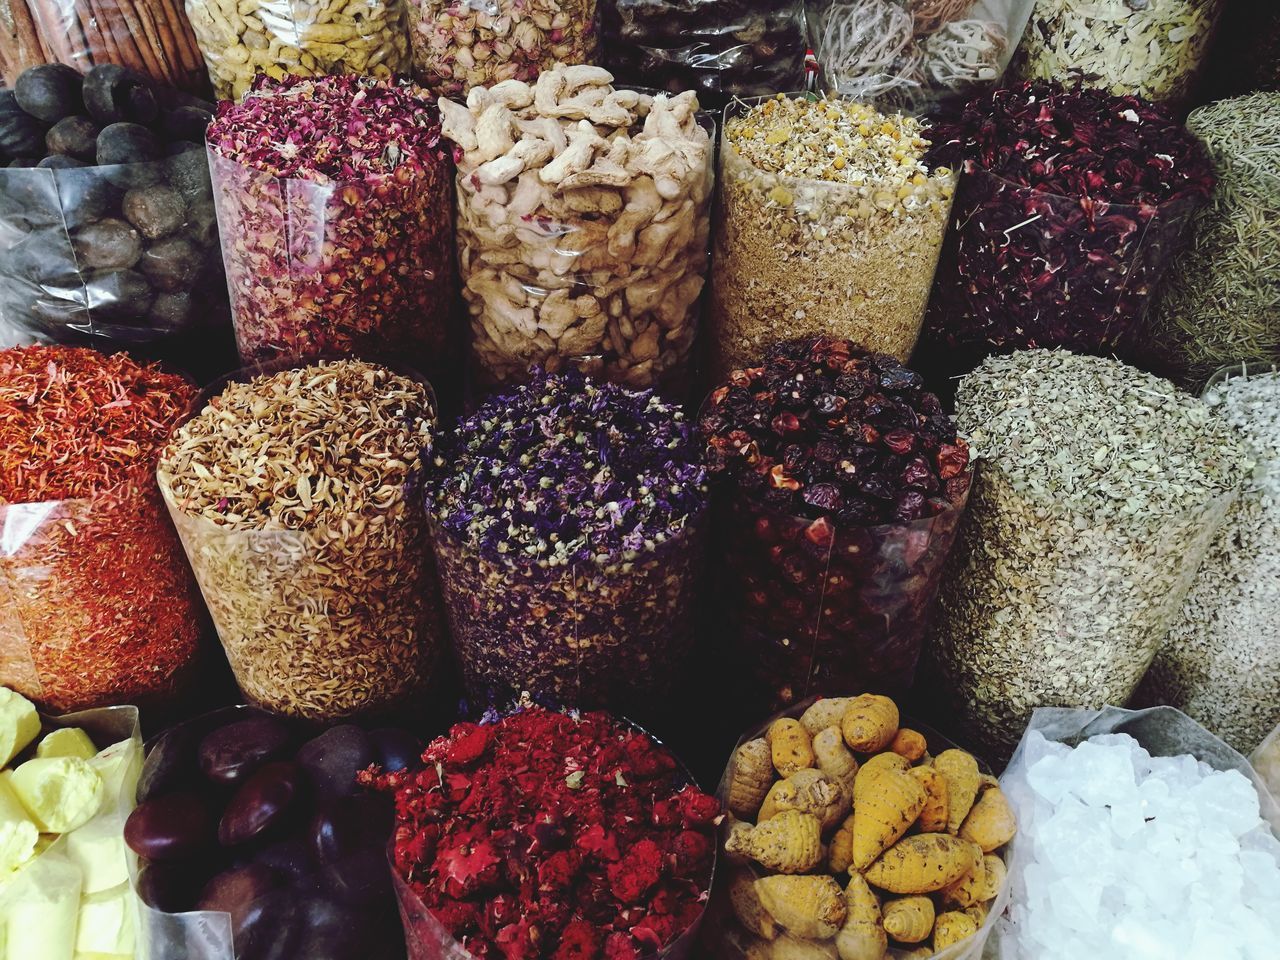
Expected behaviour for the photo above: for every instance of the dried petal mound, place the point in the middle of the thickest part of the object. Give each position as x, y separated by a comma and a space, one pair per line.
826, 430
543, 843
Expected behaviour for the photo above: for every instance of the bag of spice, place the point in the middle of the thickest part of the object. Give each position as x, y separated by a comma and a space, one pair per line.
108, 236
721, 49
1099, 491
1221, 663
334, 203
840, 484
1070, 208
461, 44
568, 518
583, 217
623, 847
830, 223
243, 39
97, 604
915, 51
294, 494
1153, 49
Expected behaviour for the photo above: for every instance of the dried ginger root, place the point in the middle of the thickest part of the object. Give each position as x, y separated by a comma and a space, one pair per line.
862, 937
869, 723
933, 817
750, 777
951, 928
991, 823
961, 771
923, 863
909, 919
791, 842
790, 745
807, 907
886, 802
824, 713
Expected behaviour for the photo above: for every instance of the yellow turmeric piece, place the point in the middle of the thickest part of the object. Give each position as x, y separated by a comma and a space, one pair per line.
909, 743
936, 810
869, 723
950, 929
889, 762
840, 857
791, 842
991, 823
792, 948
975, 886
807, 907
750, 776
790, 745
862, 937
834, 758
824, 713
909, 920
809, 791
961, 771
886, 802
923, 863
747, 906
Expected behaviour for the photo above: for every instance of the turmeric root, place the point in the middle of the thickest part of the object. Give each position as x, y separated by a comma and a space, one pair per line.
834, 758
886, 803
951, 928
978, 912
793, 948
961, 771
976, 886
862, 937
809, 791
750, 776
791, 842
808, 907
824, 713
736, 840
841, 855
923, 863
869, 723
933, 817
886, 762
747, 906
791, 746
909, 743
909, 920
991, 823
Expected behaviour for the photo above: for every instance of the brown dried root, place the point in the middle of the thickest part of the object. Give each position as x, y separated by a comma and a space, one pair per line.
863, 46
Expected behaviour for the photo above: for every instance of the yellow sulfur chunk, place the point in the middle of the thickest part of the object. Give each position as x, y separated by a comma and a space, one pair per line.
923, 863
791, 842
97, 849
933, 817
910, 919
824, 713
119, 766
747, 906
750, 776
961, 771
106, 923
991, 823
42, 922
790, 745
950, 929
60, 793
67, 742
809, 791
869, 723
19, 724
807, 907
886, 802
862, 937
18, 832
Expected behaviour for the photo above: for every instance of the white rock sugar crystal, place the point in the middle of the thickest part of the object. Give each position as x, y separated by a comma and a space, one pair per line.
1127, 856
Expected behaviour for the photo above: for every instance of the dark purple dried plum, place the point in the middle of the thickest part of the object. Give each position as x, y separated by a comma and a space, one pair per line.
156, 211
49, 91
115, 94
74, 136
107, 245
126, 143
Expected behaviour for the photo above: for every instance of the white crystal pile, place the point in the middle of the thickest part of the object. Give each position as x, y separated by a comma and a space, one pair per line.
1127, 856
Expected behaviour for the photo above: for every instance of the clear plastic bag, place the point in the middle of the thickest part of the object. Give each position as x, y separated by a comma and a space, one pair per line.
339, 268
847, 612
721, 48
915, 51
242, 38
614, 634
97, 603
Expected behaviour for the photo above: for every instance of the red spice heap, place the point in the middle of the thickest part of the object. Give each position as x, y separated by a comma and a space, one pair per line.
550, 835
75, 422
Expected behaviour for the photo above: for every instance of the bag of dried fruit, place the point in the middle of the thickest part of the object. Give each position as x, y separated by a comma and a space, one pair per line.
721, 49
67, 790
97, 604
577, 248
853, 834
108, 236
623, 846
839, 485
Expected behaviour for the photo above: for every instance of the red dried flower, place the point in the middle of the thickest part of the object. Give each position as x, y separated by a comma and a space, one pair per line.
638, 870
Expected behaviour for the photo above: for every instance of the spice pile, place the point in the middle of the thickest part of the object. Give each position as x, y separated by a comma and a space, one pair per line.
568, 528
1072, 203
926, 831
583, 215
100, 607
1221, 662
292, 495
1099, 491
843, 483
1222, 300
830, 222
334, 204
546, 834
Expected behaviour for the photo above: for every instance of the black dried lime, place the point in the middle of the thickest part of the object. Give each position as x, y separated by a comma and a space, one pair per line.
49, 91
75, 136
127, 143
185, 123
156, 211
21, 135
107, 245
170, 310
121, 296
114, 94
60, 161
171, 264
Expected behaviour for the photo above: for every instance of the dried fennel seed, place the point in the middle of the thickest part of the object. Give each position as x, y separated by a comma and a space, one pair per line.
291, 493
1222, 299
1099, 490
1151, 48
830, 224
1221, 662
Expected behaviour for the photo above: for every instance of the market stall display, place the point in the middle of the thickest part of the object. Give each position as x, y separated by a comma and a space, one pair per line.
721, 49
1221, 303
1138, 828
462, 44
1220, 662
1071, 204
830, 222
583, 217
619, 852
243, 39
836, 854
568, 518
1153, 49
1098, 491
333, 200
97, 604
252, 840
107, 229
294, 493
840, 484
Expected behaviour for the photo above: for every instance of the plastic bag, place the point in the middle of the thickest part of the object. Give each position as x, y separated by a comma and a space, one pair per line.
79, 266
1162, 731
720, 48
915, 51
242, 38
726, 937
40, 908
153, 37
1266, 760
